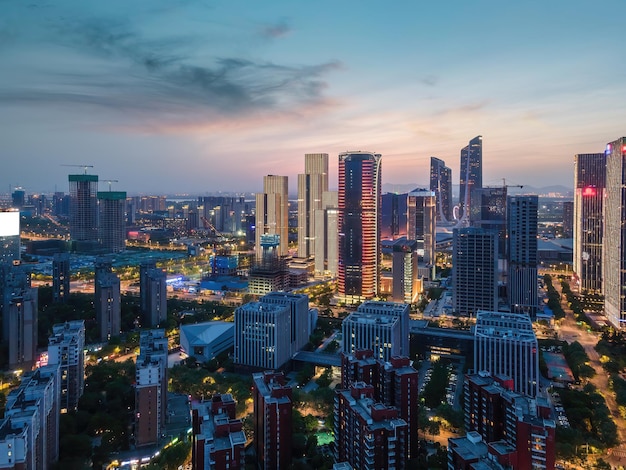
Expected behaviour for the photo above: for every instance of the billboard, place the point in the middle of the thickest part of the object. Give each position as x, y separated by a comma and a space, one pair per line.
9, 223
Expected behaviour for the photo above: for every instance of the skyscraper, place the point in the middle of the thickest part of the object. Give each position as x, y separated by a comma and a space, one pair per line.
311, 187
359, 225
22, 323
83, 209
112, 223
9, 236
404, 267
326, 242
393, 216
471, 172
522, 255
272, 212
474, 270
107, 300
488, 211
505, 344
66, 349
153, 294
614, 234
441, 185
60, 277
421, 222
589, 184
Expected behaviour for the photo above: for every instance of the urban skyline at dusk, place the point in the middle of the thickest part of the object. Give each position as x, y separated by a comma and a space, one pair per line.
187, 97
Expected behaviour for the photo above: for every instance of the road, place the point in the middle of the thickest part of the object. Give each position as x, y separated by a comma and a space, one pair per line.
569, 331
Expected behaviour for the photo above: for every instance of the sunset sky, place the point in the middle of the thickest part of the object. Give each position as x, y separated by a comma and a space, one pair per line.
200, 96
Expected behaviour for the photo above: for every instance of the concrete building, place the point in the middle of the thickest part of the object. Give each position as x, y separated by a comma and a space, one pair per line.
272, 401
9, 236
382, 327
359, 226
272, 212
441, 185
107, 300
112, 220
14, 280
614, 234
522, 254
153, 293
589, 185
84, 211
505, 344
470, 173
474, 270
368, 435
66, 348
311, 186
405, 286
218, 440
150, 387
60, 277
206, 340
326, 236
298, 305
22, 328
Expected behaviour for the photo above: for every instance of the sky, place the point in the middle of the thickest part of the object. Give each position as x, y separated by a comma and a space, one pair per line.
196, 97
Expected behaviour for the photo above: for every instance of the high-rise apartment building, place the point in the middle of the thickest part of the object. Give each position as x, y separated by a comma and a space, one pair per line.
112, 221
153, 294
107, 300
22, 328
66, 348
359, 225
311, 186
441, 185
405, 286
326, 236
474, 270
589, 185
151, 387
272, 401
422, 223
505, 344
368, 434
522, 287
470, 173
382, 327
83, 209
218, 439
9, 236
272, 212
60, 277
614, 234
15, 279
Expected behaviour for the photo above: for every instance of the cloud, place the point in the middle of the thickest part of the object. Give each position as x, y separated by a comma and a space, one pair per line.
276, 30
430, 80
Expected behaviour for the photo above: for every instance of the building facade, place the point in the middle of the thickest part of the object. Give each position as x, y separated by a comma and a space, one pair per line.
326, 236
112, 220
60, 277
470, 173
272, 212
359, 226
311, 186
422, 223
84, 208
107, 300
66, 348
589, 185
153, 295
405, 286
441, 185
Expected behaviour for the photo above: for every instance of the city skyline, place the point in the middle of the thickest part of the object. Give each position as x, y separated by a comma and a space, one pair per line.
166, 97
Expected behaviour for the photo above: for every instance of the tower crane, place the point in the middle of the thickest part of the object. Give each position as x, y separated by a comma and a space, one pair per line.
84, 167
110, 181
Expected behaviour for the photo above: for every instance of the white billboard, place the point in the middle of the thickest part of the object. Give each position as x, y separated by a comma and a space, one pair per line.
9, 223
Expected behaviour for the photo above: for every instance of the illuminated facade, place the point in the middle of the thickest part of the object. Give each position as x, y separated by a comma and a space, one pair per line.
471, 171
589, 184
359, 225
441, 185
614, 236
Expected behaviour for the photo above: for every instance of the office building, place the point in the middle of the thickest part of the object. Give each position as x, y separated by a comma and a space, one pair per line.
60, 278
368, 434
273, 428
422, 223
31, 421
272, 213
395, 383
218, 440
150, 387
488, 211
66, 348
311, 186
9, 236
298, 305
405, 285
441, 185
269, 272
326, 236
614, 234
393, 216
206, 340
505, 344
382, 327
359, 226
18, 198
589, 185
84, 210
107, 300
153, 294
518, 430
474, 270
522, 286
470, 173
112, 222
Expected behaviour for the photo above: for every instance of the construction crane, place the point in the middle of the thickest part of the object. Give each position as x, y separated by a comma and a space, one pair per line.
110, 181
504, 185
84, 167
